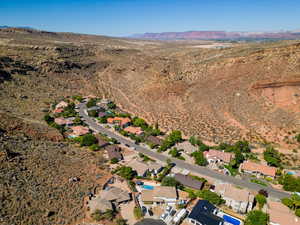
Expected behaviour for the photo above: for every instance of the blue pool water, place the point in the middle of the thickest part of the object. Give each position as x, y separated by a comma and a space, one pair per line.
231, 220
147, 187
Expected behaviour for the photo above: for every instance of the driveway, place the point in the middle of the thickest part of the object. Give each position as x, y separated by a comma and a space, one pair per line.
179, 163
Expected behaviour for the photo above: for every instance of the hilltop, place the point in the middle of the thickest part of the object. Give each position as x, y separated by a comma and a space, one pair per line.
221, 92
242, 90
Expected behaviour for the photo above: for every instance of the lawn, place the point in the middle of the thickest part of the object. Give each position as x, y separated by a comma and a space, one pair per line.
256, 181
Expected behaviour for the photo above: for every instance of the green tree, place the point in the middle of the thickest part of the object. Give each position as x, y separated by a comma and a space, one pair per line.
261, 200
175, 136
199, 158
257, 217
174, 153
243, 146
203, 147
170, 181
272, 156
88, 140
290, 183
210, 196
48, 119
92, 102
139, 122
126, 172
297, 137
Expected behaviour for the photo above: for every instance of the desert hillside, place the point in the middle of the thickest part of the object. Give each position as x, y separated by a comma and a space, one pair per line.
246, 90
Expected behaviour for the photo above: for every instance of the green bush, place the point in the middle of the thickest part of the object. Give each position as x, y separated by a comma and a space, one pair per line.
77, 97
257, 217
107, 215
114, 161
290, 183
102, 119
94, 147
297, 212
111, 105
256, 181
138, 214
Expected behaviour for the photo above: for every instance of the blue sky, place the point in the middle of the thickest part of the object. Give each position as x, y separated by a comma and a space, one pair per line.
126, 17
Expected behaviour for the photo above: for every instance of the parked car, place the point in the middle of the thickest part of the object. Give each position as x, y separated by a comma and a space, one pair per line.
164, 216
144, 210
169, 208
139, 182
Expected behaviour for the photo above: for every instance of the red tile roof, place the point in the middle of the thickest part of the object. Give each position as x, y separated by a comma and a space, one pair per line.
255, 167
134, 130
224, 156
121, 120
79, 130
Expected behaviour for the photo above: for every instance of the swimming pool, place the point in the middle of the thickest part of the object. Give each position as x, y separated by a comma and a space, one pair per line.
147, 187
231, 220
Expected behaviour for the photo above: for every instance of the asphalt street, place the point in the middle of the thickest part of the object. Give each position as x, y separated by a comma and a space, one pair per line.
179, 163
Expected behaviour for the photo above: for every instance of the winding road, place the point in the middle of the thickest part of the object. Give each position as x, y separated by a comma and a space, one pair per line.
278, 194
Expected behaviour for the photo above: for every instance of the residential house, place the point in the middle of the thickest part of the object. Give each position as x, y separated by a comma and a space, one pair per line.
159, 195
104, 103
114, 151
218, 157
102, 114
61, 105
141, 168
116, 195
121, 121
204, 213
64, 121
57, 111
134, 130
281, 215
98, 203
187, 147
79, 131
154, 167
240, 200
257, 169
154, 140
188, 181
101, 142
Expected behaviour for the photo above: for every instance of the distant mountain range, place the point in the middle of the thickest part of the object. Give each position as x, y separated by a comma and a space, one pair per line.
218, 35
23, 27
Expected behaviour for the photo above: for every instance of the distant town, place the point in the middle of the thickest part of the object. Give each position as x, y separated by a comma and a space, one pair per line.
166, 178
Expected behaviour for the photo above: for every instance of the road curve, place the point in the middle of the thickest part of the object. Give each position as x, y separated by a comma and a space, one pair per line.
179, 163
